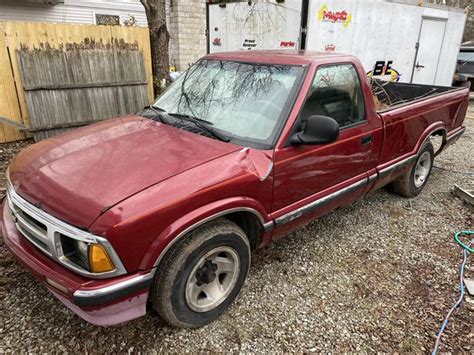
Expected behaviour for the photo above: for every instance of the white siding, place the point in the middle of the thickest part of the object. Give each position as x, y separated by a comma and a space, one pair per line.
74, 11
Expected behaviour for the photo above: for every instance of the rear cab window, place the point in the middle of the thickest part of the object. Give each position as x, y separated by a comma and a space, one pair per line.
336, 92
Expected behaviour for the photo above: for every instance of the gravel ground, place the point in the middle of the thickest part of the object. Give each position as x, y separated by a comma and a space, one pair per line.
378, 275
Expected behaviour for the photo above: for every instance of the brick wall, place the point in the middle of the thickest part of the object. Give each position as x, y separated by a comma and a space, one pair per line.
187, 28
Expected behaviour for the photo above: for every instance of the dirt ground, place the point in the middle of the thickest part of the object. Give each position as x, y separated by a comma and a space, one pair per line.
379, 275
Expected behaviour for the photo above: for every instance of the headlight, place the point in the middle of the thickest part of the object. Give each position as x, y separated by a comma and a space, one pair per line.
91, 257
82, 252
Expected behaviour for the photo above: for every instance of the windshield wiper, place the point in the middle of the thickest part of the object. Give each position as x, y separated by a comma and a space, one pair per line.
201, 123
193, 118
159, 113
156, 108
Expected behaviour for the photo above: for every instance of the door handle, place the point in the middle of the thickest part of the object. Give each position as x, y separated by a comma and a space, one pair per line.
366, 140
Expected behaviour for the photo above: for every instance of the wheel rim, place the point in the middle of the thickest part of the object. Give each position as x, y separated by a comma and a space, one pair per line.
422, 169
212, 279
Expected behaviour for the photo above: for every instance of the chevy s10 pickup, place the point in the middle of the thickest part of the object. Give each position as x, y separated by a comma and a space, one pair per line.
162, 209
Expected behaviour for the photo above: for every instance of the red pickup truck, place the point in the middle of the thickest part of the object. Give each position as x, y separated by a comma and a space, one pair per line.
163, 208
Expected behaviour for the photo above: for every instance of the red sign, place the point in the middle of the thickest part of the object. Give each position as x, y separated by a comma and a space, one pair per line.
324, 14
335, 16
329, 48
287, 44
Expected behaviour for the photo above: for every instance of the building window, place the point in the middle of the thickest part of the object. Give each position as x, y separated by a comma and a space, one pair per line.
111, 20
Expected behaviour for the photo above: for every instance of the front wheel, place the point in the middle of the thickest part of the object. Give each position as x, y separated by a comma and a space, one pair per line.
413, 181
202, 275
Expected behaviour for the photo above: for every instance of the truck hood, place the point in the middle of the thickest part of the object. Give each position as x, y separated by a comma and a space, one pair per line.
81, 174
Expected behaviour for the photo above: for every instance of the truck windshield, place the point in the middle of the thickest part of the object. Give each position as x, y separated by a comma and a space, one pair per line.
240, 100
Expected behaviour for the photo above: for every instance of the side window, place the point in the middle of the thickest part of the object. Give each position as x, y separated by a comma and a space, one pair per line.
336, 92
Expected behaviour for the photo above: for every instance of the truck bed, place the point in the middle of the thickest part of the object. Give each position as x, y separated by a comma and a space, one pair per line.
391, 95
410, 112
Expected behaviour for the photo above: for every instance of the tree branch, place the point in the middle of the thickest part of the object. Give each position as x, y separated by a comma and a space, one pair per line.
145, 5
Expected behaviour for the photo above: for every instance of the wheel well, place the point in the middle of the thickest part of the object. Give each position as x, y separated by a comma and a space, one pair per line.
250, 224
438, 143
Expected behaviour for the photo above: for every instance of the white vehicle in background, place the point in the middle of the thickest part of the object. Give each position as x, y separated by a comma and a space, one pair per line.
406, 41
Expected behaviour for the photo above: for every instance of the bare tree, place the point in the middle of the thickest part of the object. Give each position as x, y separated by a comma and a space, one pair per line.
159, 40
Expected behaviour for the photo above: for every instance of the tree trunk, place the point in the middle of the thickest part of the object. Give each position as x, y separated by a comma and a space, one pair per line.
159, 40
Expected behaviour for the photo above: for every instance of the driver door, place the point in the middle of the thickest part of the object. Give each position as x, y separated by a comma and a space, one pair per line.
311, 180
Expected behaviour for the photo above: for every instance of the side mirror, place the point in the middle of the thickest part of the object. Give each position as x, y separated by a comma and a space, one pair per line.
317, 130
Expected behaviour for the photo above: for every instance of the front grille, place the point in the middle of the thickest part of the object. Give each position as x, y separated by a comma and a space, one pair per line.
33, 238
31, 228
34, 222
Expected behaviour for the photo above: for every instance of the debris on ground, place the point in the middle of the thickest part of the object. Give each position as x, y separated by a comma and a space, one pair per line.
465, 195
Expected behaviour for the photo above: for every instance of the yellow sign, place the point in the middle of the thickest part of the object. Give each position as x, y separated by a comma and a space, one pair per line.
344, 17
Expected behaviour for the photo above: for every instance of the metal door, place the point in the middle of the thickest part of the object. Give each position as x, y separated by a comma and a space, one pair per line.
310, 180
429, 45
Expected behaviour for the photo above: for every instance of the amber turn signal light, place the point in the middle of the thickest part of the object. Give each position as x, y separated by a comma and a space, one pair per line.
99, 259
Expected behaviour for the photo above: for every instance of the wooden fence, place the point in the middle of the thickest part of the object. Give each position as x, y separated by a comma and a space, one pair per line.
55, 76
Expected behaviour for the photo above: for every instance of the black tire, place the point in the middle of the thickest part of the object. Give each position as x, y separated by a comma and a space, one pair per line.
168, 293
405, 184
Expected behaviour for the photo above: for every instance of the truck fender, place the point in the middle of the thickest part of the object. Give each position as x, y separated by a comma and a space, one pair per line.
437, 128
185, 224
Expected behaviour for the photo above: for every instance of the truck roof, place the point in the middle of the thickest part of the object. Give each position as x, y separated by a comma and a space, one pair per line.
278, 56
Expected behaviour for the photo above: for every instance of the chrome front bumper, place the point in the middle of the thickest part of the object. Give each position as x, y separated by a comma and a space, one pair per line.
100, 302
108, 294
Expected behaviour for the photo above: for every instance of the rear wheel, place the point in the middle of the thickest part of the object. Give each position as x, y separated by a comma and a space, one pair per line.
202, 275
413, 181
